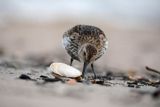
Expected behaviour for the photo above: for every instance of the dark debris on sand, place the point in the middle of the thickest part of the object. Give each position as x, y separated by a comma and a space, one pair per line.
37, 73
110, 79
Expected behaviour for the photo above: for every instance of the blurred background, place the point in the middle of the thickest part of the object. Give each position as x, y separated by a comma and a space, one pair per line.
35, 27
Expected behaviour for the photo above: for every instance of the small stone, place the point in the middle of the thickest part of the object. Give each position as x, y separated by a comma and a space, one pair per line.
156, 94
24, 77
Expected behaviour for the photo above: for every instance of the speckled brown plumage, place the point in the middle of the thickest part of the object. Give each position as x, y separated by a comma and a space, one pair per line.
85, 43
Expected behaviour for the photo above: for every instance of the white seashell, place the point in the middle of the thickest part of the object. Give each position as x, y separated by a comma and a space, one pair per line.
65, 70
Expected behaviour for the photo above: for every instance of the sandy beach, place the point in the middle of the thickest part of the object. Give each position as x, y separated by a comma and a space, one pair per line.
18, 92
31, 39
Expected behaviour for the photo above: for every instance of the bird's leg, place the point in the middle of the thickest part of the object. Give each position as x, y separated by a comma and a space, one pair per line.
84, 69
93, 71
71, 61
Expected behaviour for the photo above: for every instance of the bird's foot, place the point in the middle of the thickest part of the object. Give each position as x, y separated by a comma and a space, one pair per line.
85, 80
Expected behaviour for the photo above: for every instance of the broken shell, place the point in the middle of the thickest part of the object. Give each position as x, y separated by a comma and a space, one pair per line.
64, 70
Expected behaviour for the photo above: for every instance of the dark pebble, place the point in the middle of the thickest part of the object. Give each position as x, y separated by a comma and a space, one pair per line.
43, 76
100, 82
132, 82
24, 77
51, 79
131, 85
156, 94
109, 75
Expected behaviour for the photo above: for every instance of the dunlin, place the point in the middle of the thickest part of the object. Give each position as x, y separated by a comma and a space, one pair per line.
86, 44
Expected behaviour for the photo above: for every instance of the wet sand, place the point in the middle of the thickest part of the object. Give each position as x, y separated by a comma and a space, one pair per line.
18, 92
30, 48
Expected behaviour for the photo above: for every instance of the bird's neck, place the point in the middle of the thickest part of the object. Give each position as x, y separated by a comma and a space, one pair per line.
87, 52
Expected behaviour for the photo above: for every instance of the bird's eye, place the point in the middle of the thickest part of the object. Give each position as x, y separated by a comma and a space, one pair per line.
84, 54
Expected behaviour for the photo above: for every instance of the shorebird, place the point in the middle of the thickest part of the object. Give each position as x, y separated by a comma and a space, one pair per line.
86, 44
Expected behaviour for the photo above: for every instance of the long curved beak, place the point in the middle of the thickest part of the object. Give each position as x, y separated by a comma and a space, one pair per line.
84, 68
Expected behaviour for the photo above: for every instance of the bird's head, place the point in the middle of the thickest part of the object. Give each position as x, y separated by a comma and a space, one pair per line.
87, 53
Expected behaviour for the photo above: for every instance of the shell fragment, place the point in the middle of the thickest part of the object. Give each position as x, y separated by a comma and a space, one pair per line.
65, 70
